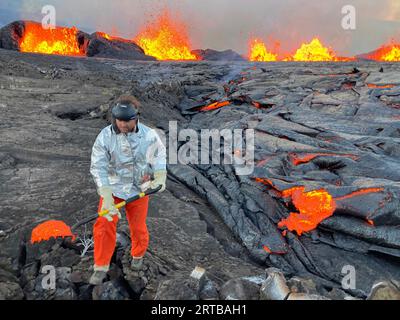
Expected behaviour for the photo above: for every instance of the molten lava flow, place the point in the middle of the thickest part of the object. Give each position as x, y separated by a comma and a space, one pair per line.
380, 86
389, 53
313, 206
51, 229
105, 35
113, 38
165, 39
268, 250
299, 159
259, 52
215, 105
61, 41
268, 182
264, 181
314, 51
359, 193
393, 54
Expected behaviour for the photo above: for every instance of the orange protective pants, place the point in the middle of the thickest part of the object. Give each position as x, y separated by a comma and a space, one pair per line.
105, 232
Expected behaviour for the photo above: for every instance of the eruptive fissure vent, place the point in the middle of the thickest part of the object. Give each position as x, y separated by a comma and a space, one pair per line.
312, 51
62, 41
389, 53
259, 52
166, 39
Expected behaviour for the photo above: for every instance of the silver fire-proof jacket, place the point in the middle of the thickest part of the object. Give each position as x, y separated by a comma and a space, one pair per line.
125, 162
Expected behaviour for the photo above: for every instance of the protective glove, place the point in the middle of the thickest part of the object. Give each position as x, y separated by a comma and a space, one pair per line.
108, 203
146, 182
145, 186
160, 178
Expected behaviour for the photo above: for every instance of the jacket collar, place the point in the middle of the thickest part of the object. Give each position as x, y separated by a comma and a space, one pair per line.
115, 129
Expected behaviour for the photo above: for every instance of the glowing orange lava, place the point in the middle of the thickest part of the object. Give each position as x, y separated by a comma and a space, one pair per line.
304, 158
380, 86
62, 41
313, 206
264, 181
314, 51
166, 39
259, 52
215, 105
390, 53
268, 250
359, 193
105, 35
51, 229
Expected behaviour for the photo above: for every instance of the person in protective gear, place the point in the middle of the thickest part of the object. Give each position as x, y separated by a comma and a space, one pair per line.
127, 159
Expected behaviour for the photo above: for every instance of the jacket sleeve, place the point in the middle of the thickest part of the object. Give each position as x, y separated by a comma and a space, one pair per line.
158, 158
100, 160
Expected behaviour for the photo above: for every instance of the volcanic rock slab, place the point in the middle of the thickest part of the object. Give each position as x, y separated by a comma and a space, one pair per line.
115, 48
214, 55
11, 34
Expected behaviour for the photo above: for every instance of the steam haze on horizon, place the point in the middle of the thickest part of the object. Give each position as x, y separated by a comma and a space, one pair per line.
229, 24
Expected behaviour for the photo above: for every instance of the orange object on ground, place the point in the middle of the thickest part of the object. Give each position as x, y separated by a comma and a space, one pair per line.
105, 232
51, 229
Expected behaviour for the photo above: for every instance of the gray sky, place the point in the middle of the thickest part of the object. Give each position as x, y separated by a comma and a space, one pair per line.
228, 24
